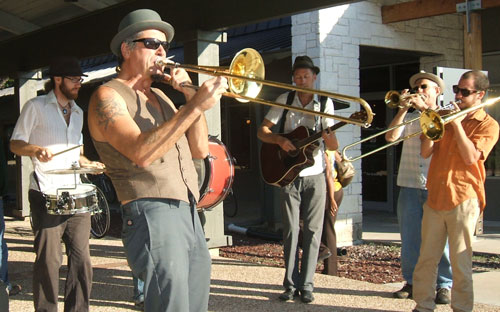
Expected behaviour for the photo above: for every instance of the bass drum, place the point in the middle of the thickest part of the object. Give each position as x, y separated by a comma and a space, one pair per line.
215, 175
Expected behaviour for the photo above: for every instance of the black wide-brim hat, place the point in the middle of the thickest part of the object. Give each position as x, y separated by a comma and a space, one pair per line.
137, 21
304, 62
65, 66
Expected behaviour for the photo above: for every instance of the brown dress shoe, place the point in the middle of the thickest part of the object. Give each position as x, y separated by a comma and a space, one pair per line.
404, 293
443, 296
325, 253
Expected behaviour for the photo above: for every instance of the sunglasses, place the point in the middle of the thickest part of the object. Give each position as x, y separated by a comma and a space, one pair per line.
465, 92
422, 86
74, 79
153, 43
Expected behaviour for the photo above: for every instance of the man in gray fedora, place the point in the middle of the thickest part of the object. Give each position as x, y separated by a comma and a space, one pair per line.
148, 147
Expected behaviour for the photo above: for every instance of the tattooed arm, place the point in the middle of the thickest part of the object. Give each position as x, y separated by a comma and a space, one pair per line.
109, 121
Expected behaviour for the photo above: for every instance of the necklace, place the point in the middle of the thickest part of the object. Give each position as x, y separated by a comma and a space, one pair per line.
64, 109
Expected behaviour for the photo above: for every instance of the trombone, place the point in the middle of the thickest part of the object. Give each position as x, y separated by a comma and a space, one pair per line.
431, 125
246, 78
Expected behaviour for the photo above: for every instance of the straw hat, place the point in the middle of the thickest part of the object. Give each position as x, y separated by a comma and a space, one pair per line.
423, 75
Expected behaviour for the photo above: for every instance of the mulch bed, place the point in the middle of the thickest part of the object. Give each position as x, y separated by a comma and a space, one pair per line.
374, 263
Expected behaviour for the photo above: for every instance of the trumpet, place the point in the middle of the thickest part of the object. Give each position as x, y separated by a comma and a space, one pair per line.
432, 125
394, 99
246, 78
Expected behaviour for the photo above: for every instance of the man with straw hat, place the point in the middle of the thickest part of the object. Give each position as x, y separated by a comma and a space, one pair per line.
412, 176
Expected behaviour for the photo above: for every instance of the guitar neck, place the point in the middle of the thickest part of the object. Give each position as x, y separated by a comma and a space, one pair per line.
317, 135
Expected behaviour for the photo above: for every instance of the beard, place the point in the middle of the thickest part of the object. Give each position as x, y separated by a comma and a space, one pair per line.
67, 92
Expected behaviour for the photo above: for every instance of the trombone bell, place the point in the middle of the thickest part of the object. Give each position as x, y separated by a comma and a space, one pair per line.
432, 125
246, 63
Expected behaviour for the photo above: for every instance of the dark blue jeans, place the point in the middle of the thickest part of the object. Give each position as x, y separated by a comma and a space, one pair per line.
166, 248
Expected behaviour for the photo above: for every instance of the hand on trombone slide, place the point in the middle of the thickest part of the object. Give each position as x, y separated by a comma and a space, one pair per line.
451, 107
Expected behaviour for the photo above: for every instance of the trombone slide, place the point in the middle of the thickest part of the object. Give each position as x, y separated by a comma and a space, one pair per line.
246, 78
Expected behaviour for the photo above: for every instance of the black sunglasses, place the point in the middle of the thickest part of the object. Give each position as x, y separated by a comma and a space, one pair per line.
422, 86
465, 92
153, 43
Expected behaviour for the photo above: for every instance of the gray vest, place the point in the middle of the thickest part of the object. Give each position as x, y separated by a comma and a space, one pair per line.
170, 176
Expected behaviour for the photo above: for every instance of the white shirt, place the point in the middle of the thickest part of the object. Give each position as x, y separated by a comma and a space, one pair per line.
295, 119
42, 123
412, 167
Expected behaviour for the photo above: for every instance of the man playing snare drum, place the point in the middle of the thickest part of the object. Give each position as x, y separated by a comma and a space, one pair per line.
49, 124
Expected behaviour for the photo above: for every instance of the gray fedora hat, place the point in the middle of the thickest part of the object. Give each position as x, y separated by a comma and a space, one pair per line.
423, 75
137, 21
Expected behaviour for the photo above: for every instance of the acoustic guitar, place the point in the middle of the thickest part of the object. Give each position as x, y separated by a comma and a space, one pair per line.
281, 168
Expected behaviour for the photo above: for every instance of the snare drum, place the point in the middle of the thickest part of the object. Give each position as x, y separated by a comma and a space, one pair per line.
215, 175
73, 199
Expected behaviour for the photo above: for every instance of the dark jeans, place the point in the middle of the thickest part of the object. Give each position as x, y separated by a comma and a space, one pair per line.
49, 230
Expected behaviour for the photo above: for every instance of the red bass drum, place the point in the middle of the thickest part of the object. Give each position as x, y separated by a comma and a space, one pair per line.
215, 175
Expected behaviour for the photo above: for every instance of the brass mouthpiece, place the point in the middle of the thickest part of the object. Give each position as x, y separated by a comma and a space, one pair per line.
164, 61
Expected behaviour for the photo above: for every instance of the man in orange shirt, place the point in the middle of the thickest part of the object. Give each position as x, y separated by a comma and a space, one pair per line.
456, 196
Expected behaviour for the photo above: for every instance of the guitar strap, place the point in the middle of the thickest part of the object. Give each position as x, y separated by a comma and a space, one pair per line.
289, 100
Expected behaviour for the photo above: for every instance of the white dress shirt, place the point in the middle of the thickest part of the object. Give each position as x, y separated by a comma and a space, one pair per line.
42, 123
295, 119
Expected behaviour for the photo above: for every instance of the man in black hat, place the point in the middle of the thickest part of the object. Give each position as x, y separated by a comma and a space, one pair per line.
49, 124
306, 195
148, 146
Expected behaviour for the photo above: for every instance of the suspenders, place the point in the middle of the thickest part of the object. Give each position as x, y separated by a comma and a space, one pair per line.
289, 100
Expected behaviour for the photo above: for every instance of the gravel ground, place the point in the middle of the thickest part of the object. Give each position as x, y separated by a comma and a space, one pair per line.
242, 286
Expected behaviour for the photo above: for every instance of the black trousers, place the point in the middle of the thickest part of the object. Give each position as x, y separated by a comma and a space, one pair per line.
329, 237
74, 230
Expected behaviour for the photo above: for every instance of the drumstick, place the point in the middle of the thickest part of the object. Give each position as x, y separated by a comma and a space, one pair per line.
67, 150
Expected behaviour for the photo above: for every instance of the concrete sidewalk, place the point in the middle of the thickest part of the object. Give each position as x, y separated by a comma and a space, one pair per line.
235, 286
383, 227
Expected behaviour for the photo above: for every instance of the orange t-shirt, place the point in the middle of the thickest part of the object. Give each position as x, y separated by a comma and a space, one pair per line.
450, 181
